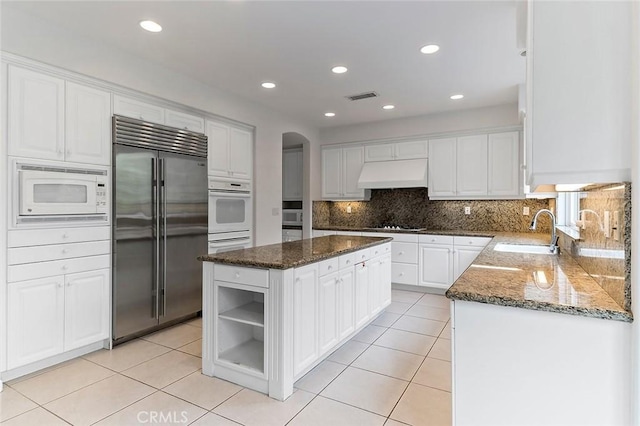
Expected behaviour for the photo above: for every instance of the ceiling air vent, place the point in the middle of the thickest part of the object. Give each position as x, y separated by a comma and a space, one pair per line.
362, 96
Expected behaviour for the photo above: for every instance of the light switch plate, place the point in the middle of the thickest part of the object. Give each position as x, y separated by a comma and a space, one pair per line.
467, 210
525, 211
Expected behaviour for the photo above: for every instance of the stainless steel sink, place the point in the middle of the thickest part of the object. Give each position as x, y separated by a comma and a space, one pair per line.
523, 248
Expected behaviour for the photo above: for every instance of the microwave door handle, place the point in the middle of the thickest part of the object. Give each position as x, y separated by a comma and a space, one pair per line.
163, 193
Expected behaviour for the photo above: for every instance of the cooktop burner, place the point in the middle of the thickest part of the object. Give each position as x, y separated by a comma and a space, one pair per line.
398, 228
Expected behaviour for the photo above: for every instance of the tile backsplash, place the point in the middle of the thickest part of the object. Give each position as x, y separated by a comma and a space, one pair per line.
411, 207
606, 259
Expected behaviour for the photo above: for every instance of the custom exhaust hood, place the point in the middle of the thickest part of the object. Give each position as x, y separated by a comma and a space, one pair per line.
394, 174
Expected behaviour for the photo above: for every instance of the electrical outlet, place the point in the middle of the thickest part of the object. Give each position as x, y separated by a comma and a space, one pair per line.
525, 211
467, 210
349, 209
616, 225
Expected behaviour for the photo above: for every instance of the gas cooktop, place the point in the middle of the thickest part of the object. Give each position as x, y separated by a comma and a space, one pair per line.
399, 228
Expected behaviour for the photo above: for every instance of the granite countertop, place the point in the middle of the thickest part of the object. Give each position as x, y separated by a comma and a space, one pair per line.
295, 253
554, 283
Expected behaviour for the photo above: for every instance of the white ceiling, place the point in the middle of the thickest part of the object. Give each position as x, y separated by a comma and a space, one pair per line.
235, 45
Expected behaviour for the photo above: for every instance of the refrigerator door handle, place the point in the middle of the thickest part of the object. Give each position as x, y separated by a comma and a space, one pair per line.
155, 236
163, 202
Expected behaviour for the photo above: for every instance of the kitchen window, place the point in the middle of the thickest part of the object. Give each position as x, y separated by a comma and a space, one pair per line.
567, 208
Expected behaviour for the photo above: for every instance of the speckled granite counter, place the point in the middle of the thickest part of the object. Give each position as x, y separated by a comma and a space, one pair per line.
530, 281
294, 253
534, 281
407, 231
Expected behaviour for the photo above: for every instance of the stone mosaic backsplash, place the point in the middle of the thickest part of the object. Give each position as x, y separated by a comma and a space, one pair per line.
607, 260
410, 207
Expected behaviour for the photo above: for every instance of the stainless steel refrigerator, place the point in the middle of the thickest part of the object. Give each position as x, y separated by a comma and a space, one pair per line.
160, 225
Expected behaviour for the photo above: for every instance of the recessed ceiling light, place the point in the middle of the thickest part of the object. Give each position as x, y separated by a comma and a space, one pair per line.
388, 107
429, 49
329, 114
151, 26
339, 69
456, 97
268, 85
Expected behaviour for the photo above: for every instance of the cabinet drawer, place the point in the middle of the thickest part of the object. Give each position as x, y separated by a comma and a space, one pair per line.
242, 275
362, 255
404, 252
436, 239
328, 266
38, 237
471, 241
31, 271
379, 250
46, 253
404, 273
347, 260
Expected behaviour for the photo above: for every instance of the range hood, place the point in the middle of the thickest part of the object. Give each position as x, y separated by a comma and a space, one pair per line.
394, 174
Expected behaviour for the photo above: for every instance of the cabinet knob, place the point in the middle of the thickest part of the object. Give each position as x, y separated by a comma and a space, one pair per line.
400, 253
69, 284
65, 251
237, 274
298, 279
348, 261
59, 285
68, 151
65, 267
433, 240
470, 242
330, 267
401, 274
337, 281
65, 236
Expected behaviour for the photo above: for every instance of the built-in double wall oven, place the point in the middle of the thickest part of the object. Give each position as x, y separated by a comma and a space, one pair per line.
230, 215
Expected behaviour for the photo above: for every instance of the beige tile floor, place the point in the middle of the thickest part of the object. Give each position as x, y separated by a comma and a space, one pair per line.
396, 371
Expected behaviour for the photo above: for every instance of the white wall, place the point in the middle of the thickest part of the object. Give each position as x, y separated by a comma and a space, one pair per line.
36, 39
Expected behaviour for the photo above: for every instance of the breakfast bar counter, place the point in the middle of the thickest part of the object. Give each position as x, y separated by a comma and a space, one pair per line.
272, 313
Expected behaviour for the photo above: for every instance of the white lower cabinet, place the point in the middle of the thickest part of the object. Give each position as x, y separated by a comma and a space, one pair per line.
305, 317
444, 258
361, 294
51, 315
346, 309
328, 305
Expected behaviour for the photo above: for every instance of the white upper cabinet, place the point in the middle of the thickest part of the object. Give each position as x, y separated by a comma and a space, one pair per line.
579, 79
504, 164
88, 125
442, 167
292, 174
52, 119
341, 167
230, 151
475, 167
395, 151
137, 109
36, 115
471, 165
184, 121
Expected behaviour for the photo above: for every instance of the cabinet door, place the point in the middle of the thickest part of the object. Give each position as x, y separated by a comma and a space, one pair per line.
379, 152
332, 173
35, 320
375, 286
463, 257
361, 294
504, 164
218, 144
346, 307
385, 281
353, 160
240, 154
88, 125
442, 167
471, 165
292, 175
184, 121
137, 109
36, 115
435, 266
328, 315
86, 314
305, 318
412, 149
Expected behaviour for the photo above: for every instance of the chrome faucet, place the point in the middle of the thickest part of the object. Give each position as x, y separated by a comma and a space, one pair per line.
553, 247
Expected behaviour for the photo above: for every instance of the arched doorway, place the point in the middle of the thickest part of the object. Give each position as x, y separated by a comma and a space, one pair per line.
296, 191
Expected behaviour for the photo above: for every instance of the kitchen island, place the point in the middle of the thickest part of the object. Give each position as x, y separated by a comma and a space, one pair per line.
272, 313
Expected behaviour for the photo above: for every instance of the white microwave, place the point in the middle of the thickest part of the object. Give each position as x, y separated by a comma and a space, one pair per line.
292, 217
49, 191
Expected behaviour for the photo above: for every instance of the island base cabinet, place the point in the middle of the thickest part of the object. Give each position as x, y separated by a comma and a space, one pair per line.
528, 367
